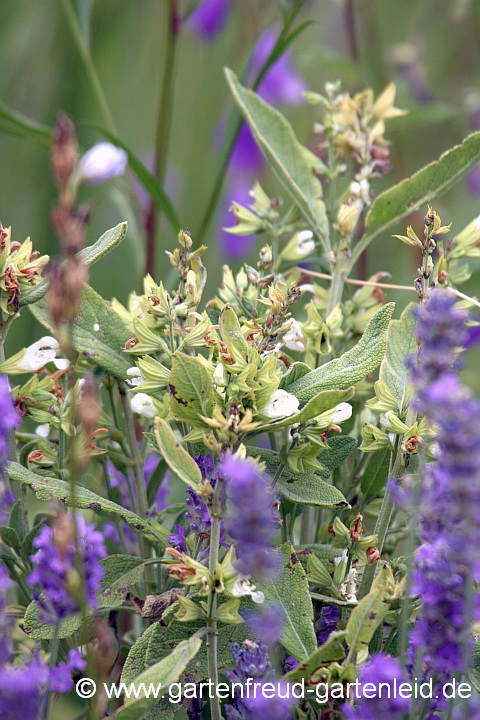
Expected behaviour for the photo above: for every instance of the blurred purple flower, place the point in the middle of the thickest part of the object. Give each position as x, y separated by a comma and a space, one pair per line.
21, 690
326, 624
234, 247
473, 180
209, 18
473, 336
381, 670
6, 621
60, 678
9, 418
267, 625
177, 539
282, 83
102, 162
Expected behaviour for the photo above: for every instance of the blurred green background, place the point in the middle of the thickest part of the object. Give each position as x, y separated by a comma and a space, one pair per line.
430, 48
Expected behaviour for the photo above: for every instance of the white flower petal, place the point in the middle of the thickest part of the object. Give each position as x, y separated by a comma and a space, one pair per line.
281, 404
43, 430
343, 412
142, 404
102, 162
61, 363
293, 339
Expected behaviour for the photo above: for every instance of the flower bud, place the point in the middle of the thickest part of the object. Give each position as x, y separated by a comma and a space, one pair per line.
101, 163
64, 154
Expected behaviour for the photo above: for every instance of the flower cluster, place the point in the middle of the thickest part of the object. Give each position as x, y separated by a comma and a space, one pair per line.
55, 562
381, 672
451, 492
250, 519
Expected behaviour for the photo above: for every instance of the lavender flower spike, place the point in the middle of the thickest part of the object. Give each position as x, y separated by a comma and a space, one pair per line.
102, 162
209, 18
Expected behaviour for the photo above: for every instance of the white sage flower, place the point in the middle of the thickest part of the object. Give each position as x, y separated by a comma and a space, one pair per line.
305, 242
136, 377
244, 586
43, 430
102, 162
348, 589
293, 339
42, 352
142, 404
281, 404
343, 412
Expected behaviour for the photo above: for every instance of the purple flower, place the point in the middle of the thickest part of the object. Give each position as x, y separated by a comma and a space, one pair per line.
177, 539
9, 418
102, 162
326, 624
250, 520
52, 569
21, 690
6, 622
290, 664
381, 671
282, 83
60, 678
251, 661
263, 706
209, 18
267, 625
234, 247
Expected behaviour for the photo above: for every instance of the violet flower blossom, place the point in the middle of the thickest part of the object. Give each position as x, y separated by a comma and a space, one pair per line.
381, 670
209, 18
102, 162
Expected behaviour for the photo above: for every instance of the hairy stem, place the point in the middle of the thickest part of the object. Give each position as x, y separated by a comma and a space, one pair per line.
163, 127
88, 66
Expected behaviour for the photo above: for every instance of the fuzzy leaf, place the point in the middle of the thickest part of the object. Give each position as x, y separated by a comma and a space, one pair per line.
414, 193
232, 335
294, 373
289, 590
90, 255
304, 488
319, 404
375, 474
121, 572
103, 346
191, 389
175, 456
354, 365
291, 161
47, 488
164, 673
401, 344
369, 613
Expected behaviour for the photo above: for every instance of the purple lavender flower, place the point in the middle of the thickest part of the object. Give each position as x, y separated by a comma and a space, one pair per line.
326, 624
21, 690
60, 678
250, 520
209, 18
265, 707
251, 661
177, 539
9, 418
267, 625
6, 622
52, 568
290, 664
380, 671
450, 494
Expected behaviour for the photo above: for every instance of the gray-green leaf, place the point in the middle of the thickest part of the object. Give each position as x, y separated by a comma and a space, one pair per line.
175, 456
191, 389
319, 404
89, 255
99, 333
354, 365
292, 162
47, 488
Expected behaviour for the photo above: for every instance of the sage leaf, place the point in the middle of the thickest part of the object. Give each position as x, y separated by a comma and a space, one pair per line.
191, 390
319, 404
175, 456
293, 163
330, 651
368, 614
354, 365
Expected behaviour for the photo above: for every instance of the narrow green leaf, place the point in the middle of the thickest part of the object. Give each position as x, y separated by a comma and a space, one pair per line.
291, 161
10, 537
99, 333
89, 255
47, 488
319, 404
163, 673
121, 573
289, 591
354, 365
15, 122
27, 545
414, 193
175, 456
375, 474
16, 521
369, 613
330, 651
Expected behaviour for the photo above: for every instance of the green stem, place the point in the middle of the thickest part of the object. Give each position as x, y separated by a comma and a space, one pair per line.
212, 659
88, 66
138, 465
164, 122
